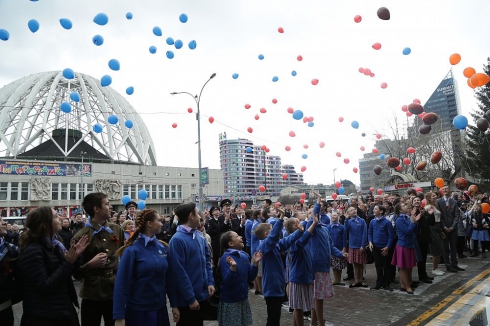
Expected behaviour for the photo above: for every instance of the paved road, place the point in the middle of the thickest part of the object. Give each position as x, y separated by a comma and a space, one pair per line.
453, 299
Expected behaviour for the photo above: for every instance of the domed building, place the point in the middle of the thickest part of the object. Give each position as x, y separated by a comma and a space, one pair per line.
63, 138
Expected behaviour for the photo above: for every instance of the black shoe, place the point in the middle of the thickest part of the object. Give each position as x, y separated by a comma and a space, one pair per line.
458, 268
430, 278
290, 310
414, 285
348, 278
426, 280
258, 292
395, 281
474, 254
387, 288
451, 270
376, 288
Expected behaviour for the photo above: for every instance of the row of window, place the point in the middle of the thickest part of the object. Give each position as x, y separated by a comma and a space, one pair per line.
156, 191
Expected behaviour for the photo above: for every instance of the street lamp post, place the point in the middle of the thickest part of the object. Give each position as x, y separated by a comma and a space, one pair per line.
82, 153
198, 118
334, 179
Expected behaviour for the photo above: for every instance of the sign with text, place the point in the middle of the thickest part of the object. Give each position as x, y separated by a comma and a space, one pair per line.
45, 169
204, 176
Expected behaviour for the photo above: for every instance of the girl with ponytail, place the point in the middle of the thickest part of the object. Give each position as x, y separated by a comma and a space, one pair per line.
143, 280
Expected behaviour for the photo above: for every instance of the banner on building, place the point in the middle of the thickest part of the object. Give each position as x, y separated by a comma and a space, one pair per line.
45, 169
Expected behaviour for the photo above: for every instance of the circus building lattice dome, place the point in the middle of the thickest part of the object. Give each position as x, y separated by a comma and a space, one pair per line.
47, 116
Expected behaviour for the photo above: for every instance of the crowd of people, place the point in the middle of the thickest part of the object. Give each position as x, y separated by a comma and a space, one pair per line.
204, 264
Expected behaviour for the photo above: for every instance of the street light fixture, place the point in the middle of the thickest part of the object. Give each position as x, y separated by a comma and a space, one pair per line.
82, 153
198, 118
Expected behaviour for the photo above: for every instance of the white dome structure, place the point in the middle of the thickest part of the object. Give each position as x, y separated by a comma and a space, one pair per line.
31, 117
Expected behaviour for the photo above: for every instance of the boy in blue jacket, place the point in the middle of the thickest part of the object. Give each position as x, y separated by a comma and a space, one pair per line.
273, 268
190, 262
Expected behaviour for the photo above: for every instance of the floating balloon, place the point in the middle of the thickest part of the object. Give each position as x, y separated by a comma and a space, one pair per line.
169, 41
157, 31
275, 78
354, 124
243, 205
355, 170
305, 119
66, 23
357, 18
375, 151
114, 64
33, 25
482, 124
398, 168
68, 73
249, 149
247, 106
305, 146
99, 40
404, 108
322, 144
338, 184
425, 129
129, 15
261, 57
65, 107
314, 81
361, 70
113, 119
170, 55
415, 108
341, 190
473, 190
294, 73
378, 136
393, 162
299, 58
338, 154
421, 165
75, 97
257, 117
302, 201
178, 44
130, 90
468, 72
284, 176
189, 110
410, 150
346, 160
262, 188
311, 124
416, 100
153, 49
298, 115
430, 118
380, 191
304, 156
461, 183
376, 46
371, 189
303, 168
363, 134
485, 208
280, 30
454, 59
141, 205
479, 79
101, 19
125, 199
183, 18
384, 85
377, 169
383, 13
362, 148
274, 101
288, 148
211, 119
409, 114
174, 125
334, 196
468, 81
292, 134
382, 157
106, 80
128, 124
192, 45
341, 119
97, 128
460, 121
235, 76
262, 110
250, 130
436, 157
406, 161
406, 51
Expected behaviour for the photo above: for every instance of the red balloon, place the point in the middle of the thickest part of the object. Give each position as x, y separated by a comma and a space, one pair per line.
380, 191
174, 125
371, 189
393, 162
404, 108
292, 134
211, 119
406, 161
398, 168
302, 201
355, 170
418, 189
338, 154
303, 168
375, 150
421, 115
334, 196
288, 148
376, 46
257, 117
278, 204
357, 18
367, 71
263, 147
384, 85
430, 118
250, 130
372, 75
262, 110
189, 110
322, 144
262, 188
280, 30
338, 184
416, 100
267, 150
243, 205
341, 119
310, 119
290, 110
362, 148
274, 101
436, 157
409, 114
346, 160
411, 150
415, 108
247, 106
305, 146
361, 70
300, 58
303, 196
305, 119
314, 81
378, 136
284, 176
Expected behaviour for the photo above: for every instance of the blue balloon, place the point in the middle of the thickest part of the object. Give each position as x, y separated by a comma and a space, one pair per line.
178, 44
128, 124
153, 49
101, 19
235, 76
141, 205
125, 199
75, 97
275, 78
129, 15
183, 18
192, 45
68, 73
106, 80
157, 31
382, 156
407, 51
304, 156
249, 149
293, 73
341, 190
261, 57
311, 124
66, 23
65, 107
114, 64
170, 54
130, 90
98, 40
298, 115
355, 124
97, 128
113, 119
143, 194
460, 121
33, 25
170, 41
4, 35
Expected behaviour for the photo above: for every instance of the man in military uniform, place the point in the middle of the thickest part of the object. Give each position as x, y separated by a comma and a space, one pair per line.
131, 209
98, 265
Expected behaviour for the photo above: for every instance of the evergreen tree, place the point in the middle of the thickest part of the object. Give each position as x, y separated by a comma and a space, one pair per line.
477, 140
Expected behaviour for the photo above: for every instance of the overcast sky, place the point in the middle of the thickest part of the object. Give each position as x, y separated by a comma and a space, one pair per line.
230, 36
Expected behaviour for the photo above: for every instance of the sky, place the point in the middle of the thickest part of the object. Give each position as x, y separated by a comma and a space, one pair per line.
230, 35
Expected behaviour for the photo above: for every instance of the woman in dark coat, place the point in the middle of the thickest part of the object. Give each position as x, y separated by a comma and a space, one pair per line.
46, 268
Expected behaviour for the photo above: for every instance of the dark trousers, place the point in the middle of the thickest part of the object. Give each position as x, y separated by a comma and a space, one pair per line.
190, 317
461, 244
391, 251
7, 317
422, 265
273, 310
350, 270
450, 244
92, 312
383, 267
484, 245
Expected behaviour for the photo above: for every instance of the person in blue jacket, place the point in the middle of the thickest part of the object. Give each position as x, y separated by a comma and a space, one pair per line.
248, 230
356, 229
381, 237
339, 239
404, 255
190, 265
273, 268
301, 274
143, 278
257, 219
236, 271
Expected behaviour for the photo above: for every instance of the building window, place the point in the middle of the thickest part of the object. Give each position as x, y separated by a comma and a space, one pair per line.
172, 192
167, 192
24, 195
14, 191
193, 186
154, 190
160, 192
135, 191
126, 190
54, 191
73, 191
90, 188
64, 191
148, 191
179, 192
3, 190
